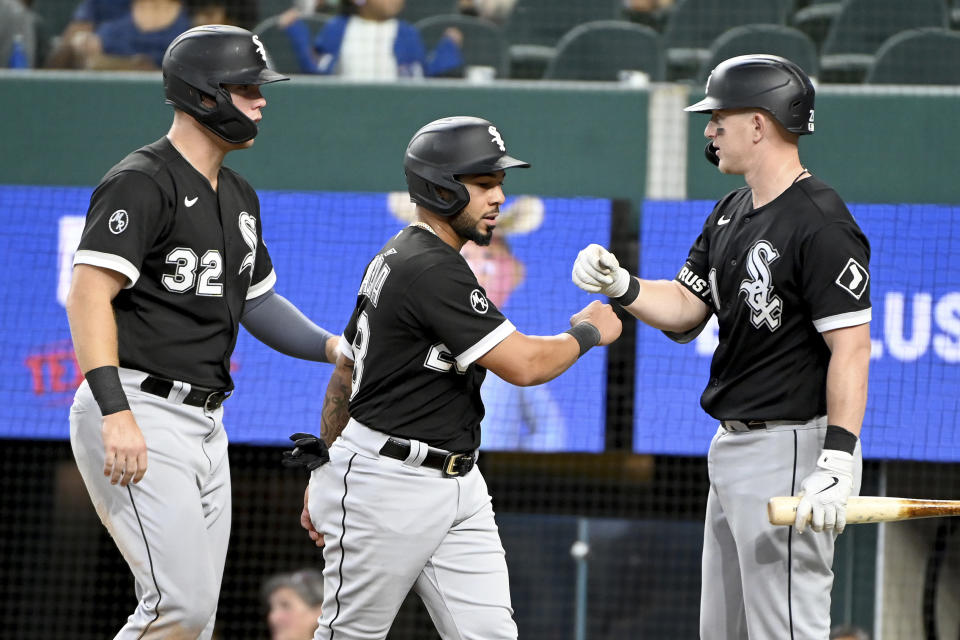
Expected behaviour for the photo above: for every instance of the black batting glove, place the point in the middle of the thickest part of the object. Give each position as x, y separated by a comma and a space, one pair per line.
309, 452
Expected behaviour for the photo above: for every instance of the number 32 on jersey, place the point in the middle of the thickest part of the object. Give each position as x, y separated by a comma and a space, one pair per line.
185, 275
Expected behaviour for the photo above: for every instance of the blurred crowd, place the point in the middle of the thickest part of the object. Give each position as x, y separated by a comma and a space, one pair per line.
368, 39
630, 41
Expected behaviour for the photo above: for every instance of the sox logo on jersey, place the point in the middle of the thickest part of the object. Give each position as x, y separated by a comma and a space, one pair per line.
248, 230
759, 290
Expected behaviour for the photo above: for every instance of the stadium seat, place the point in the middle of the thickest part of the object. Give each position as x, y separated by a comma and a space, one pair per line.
922, 56
416, 10
774, 39
600, 50
863, 25
535, 26
56, 14
815, 19
279, 49
694, 24
268, 8
484, 43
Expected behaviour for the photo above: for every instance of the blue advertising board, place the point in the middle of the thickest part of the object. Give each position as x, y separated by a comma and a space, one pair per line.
913, 407
320, 244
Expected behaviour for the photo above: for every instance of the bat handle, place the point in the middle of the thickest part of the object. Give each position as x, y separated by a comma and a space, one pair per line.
782, 510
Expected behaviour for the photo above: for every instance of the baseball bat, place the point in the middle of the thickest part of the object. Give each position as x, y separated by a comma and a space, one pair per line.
782, 510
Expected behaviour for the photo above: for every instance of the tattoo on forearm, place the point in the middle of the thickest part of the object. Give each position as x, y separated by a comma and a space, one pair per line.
336, 405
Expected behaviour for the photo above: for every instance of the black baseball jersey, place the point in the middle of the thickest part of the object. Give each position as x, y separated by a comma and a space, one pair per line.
421, 322
777, 277
192, 257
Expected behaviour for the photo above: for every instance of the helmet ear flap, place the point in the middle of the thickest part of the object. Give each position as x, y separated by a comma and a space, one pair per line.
223, 119
426, 193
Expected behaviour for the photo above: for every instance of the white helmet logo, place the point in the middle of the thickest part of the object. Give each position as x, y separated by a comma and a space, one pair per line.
260, 48
492, 130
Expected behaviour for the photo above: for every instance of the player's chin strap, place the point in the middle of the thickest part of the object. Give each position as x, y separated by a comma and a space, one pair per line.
711, 152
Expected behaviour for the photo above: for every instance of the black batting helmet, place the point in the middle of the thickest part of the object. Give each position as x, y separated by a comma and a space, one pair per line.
765, 82
447, 148
203, 59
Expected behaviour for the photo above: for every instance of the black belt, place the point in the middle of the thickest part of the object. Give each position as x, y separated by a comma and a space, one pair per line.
209, 399
451, 464
752, 425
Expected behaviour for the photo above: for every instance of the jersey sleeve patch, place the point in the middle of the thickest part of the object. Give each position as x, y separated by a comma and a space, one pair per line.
842, 320
695, 283
488, 342
263, 286
108, 261
853, 278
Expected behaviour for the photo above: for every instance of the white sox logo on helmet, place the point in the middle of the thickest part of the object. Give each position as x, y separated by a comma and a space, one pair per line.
759, 290
262, 50
492, 130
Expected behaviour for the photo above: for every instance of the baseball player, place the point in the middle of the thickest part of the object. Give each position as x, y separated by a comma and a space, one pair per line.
400, 504
784, 267
170, 261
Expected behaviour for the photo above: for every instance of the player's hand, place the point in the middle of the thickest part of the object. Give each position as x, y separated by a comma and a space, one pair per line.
332, 349
596, 270
309, 453
124, 449
824, 493
306, 522
603, 318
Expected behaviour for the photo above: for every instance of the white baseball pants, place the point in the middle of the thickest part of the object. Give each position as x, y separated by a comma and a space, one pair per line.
761, 581
173, 526
390, 526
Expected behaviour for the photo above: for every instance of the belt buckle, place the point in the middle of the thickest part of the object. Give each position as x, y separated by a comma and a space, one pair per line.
452, 464
214, 399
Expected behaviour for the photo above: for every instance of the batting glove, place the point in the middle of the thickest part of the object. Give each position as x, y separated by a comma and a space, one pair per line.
824, 493
309, 452
596, 270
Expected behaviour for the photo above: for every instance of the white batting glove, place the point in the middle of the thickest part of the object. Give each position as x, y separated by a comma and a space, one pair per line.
824, 493
596, 270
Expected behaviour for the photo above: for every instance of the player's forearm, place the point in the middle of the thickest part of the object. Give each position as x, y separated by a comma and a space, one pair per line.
336, 403
666, 305
276, 322
93, 328
530, 360
847, 375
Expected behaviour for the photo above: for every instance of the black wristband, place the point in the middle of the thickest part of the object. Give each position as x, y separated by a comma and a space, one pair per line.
633, 290
107, 391
839, 439
587, 335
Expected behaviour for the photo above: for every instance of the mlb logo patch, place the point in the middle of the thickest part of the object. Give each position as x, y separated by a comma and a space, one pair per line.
853, 278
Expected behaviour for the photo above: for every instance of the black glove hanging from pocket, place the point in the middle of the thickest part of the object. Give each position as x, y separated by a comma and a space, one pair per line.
309, 452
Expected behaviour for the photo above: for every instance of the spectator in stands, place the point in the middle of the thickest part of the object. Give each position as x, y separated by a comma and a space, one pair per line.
293, 601
135, 40
238, 13
89, 14
367, 41
494, 10
848, 632
652, 13
18, 35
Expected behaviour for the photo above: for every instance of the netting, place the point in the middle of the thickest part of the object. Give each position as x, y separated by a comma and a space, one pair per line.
610, 454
